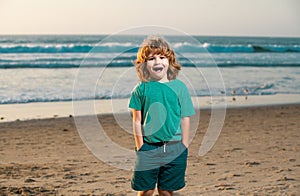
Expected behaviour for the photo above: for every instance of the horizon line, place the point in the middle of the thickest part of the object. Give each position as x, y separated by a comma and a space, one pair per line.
108, 34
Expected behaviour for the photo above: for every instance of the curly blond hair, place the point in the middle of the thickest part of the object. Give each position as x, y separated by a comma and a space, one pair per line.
155, 45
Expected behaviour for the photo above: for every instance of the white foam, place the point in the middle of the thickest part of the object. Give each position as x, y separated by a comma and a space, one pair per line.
12, 112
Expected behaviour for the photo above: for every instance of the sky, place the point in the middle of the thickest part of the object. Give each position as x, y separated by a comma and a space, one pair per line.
196, 17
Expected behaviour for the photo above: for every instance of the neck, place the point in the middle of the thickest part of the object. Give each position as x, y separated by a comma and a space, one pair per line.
164, 80
160, 81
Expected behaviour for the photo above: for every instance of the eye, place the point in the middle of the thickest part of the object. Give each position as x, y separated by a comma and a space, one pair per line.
162, 57
150, 58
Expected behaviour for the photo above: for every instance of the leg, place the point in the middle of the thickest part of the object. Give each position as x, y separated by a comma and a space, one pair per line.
172, 174
146, 193
165, 193
146, 171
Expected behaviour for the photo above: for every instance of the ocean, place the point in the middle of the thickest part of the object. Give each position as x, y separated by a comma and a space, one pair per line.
46, 68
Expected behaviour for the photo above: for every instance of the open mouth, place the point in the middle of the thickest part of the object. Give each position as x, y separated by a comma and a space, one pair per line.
158, 69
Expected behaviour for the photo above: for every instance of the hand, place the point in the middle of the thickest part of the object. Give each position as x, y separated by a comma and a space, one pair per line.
185, 144
138, 148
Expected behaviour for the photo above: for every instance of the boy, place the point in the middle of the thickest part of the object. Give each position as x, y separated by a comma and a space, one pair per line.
161, 107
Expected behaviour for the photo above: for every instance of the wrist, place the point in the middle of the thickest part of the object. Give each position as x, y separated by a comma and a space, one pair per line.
138, 147
186, 144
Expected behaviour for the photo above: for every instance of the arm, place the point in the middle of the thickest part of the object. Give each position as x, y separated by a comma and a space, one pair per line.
185, 126
137, 128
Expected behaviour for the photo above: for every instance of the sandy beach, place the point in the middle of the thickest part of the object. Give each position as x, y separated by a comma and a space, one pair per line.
257, 153
41, 110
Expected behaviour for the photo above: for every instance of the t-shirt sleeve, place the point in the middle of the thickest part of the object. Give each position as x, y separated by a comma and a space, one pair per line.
187, 108
136, 99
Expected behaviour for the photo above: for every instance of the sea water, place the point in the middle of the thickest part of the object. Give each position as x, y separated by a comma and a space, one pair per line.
45, 68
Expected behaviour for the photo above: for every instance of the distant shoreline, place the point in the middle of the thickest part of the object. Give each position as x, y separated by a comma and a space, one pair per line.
42, 110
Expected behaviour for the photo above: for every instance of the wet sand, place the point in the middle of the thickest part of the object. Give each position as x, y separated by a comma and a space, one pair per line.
257, 153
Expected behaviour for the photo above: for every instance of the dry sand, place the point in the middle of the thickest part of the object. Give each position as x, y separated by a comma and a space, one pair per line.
257, 153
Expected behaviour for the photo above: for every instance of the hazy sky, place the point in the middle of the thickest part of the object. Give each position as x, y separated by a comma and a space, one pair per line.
196, 17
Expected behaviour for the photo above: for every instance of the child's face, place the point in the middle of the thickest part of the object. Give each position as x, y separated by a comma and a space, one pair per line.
158, 66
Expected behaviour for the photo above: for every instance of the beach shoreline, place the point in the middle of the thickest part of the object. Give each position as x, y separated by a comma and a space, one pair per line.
257, 153
42, 110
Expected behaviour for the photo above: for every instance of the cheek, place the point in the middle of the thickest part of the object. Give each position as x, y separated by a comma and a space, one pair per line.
150, 63
149, 66
166, 61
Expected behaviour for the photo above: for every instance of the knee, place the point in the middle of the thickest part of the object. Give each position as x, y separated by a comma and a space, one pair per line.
165, 193
146, 193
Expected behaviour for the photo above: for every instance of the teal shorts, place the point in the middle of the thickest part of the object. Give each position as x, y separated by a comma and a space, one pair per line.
163, 164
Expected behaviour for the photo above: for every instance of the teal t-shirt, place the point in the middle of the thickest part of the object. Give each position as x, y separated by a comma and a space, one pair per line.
162, 106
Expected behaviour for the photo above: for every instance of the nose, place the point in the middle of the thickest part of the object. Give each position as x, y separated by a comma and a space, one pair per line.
157, 60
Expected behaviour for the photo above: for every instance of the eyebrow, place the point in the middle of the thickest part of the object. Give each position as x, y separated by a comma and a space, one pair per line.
151, 55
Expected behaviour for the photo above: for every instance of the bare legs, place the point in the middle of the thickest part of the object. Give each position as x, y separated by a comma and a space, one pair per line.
165, 193
146, 193
160, 192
